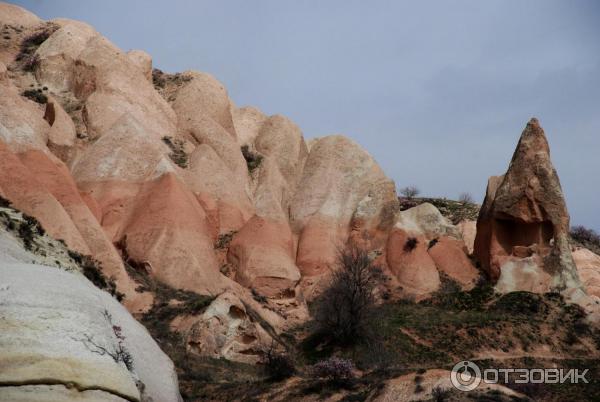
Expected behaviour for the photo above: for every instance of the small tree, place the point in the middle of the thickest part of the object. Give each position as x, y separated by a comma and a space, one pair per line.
466, 198
278, 366
344, 307
410, 192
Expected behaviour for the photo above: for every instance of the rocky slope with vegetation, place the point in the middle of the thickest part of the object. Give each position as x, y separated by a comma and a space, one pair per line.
141, 209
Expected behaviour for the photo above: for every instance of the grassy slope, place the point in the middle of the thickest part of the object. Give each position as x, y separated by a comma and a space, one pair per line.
519, 329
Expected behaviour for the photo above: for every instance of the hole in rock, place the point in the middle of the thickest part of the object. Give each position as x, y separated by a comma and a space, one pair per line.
236, 312
246, 338
513, 234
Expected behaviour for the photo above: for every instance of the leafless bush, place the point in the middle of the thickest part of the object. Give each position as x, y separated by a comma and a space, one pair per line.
118, 352
440, 394
466, 198
278, 366
223, 240
31, 62
343, 309
410, 192
253, 159
586, 237
410, 244
177, 155
29, 45
36, 96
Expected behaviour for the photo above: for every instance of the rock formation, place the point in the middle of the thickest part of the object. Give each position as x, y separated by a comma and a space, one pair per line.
588, 268
424, 248
523, 227
173, 189
61, 338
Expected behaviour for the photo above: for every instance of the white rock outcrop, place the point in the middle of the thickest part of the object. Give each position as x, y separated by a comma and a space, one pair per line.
55, 329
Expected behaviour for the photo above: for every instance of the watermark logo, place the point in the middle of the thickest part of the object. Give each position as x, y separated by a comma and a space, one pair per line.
466, 376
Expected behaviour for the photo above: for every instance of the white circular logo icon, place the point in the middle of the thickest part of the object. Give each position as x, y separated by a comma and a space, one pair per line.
465, 376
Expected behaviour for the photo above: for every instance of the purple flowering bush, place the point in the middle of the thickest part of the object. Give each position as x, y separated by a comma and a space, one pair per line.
333, 368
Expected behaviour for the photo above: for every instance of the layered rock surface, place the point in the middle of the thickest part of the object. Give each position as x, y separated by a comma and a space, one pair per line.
63, 339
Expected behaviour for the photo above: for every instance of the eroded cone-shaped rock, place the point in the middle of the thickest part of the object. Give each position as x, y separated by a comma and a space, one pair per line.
54, 176
22, 125
168, 230
425, 219
451, 259
143, 61
262, 253
409, 261
28, 193
338, 177
247, 122
204, 117
522, 230
424, 247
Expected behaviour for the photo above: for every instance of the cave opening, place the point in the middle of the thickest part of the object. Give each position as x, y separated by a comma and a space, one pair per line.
512, 233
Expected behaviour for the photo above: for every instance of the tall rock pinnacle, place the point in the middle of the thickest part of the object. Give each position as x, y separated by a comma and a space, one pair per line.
523, 226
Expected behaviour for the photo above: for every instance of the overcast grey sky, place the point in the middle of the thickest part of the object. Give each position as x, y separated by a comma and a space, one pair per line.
437, 91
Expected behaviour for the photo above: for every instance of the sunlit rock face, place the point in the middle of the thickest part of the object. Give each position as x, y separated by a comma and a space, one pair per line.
522, 231
64, 339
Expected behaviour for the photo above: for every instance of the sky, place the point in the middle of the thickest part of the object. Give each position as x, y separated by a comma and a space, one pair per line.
437, 91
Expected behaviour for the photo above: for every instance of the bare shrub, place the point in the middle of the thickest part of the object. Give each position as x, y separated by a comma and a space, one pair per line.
333, 369
28, 230
30, 44
410, 244
117, 351
440, 394
224, 239
253, 159
31, 62
91, 269
343, 309
36, 96
177, 155
586, 237
466, 198
278, 366
410, 192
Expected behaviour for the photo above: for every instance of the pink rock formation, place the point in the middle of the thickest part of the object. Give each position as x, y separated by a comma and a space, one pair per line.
588, 268
423, 248
168, 229
55, 178
339, 180
468, 230
522, 230
410, 262
262, 254
29, 194
450, 257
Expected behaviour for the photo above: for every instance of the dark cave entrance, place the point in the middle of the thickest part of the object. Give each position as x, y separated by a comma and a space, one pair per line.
513, 233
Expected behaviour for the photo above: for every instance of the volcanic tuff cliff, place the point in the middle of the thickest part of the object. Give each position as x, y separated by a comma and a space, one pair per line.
177, 192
